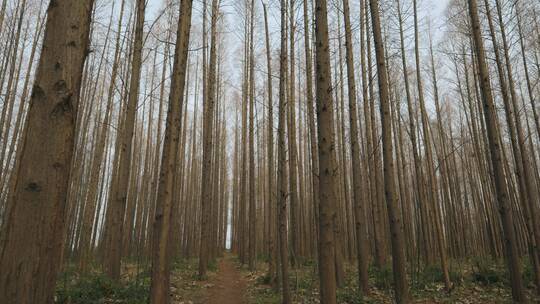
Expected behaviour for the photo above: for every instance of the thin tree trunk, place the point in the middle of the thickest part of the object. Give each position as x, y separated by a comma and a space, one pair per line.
272, 260
117, 203
490, 117
282, 161
398, 250
208, 117
361, 239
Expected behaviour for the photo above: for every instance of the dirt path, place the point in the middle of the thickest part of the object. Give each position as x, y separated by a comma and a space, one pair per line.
228, 286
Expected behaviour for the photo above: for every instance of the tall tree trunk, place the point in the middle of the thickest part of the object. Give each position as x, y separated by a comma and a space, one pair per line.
291, 141
91, 197
252, 203
311, 120
208, 117
282, 161
326, 151
159, 289
432, 178
117, 203
490, 117
31, 254
272, 260
398, 250
360, 225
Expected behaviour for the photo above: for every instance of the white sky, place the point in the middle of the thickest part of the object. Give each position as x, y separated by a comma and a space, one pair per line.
437, 5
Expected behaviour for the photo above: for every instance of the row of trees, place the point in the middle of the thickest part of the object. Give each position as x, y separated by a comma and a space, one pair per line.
140, 141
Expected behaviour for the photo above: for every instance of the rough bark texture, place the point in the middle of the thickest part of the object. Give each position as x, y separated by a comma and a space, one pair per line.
326, 151
31, 253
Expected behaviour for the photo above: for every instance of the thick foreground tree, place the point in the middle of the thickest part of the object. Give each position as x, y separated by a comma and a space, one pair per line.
32, 240
327, 170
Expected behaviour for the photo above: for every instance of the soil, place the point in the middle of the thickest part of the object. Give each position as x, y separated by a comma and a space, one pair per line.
228, 286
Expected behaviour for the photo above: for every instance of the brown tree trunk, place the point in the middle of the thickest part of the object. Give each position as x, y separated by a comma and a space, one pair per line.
252, 204
31, 254
432, 178
291, 141
398, 250
159, 290
490, 117
282, 161
326, 151
360, 225
208, 117
272, 260
117, 201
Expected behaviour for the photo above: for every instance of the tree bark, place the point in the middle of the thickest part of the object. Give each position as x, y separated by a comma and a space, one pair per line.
360, 225
490, 117
398, 250
326, 151
208, 117
117, 203
282, 161
31, 254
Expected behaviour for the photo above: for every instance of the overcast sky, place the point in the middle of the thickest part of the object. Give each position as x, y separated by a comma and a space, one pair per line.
437, 5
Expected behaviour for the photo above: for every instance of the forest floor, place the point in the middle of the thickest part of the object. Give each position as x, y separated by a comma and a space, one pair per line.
229, 285
225, 285
476, 281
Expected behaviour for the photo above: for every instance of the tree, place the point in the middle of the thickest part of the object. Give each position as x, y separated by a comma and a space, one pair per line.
208, 117
252, 204
361, 240
91, 198
272, 261
398, 250
159, 290
432, 178
490, 118
326, 151
282, 159
31, 254
119, 191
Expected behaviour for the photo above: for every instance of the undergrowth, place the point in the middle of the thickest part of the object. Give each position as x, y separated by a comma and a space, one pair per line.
96, 288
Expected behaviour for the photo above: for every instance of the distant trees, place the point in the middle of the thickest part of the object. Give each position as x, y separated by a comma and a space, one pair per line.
108, 158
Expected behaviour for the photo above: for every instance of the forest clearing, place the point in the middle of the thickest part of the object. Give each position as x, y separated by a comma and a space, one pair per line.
265, 151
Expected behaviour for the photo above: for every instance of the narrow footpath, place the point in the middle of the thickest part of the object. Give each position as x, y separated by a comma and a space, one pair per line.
228, 287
